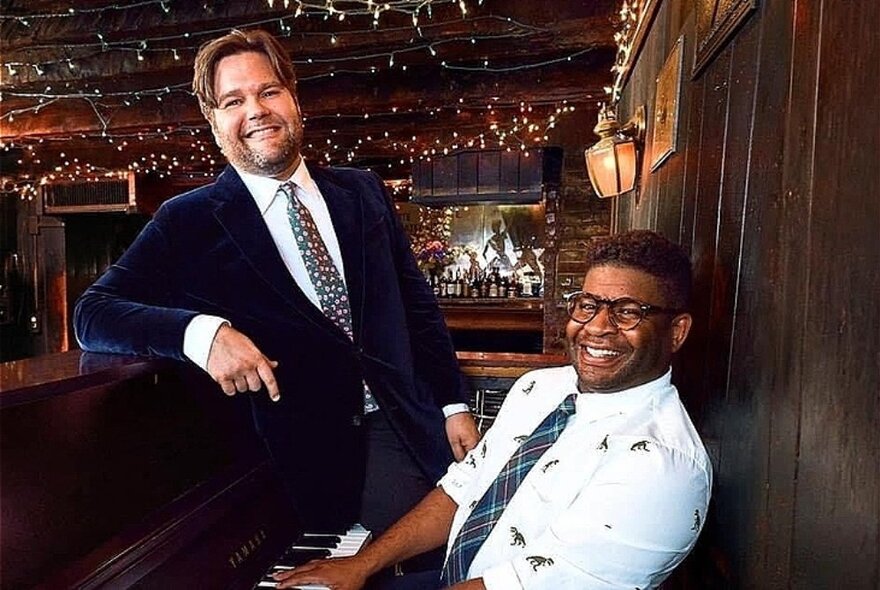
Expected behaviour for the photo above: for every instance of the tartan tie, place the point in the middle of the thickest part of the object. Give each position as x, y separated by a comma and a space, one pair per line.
488, 510
325, 277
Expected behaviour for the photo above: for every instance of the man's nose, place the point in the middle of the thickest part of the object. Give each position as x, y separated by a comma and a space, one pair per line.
601, 322
255, 108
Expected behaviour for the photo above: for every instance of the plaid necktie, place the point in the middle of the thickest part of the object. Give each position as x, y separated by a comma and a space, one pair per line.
488, 510
325, 277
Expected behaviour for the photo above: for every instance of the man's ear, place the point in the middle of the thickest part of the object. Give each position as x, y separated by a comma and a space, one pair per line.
681, 326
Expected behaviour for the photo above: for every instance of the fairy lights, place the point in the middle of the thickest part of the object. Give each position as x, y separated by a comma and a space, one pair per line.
44, 76
631, 14
172, 46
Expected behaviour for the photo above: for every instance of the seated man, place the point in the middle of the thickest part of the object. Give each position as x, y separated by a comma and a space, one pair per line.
592, 475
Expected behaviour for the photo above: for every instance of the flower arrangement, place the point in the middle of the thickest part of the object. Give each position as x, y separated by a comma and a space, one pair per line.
434, 257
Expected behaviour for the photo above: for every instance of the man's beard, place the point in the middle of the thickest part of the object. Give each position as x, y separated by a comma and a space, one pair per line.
259, 162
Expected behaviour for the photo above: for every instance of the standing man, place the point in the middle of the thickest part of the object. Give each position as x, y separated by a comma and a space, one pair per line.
592, 476
295, 283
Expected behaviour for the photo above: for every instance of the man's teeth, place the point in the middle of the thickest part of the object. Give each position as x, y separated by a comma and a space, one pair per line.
601, 352
259, 131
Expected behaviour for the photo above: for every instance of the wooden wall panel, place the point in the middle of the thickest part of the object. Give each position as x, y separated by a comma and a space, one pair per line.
764, 380
733, 418
776, 171
838, 489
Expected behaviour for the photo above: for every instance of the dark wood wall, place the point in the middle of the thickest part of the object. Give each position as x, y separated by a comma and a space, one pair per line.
775, 191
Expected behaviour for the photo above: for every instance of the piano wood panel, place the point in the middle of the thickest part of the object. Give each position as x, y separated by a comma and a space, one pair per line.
92, 457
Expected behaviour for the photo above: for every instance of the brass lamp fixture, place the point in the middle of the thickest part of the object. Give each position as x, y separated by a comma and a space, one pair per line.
613, 162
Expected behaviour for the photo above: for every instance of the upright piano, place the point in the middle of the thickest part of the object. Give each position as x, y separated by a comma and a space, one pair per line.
118, 472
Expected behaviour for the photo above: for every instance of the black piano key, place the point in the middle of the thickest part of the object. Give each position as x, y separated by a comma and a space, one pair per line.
319, 540
295, 557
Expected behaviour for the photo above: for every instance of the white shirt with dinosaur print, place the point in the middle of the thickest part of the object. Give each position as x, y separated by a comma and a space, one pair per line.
617, 502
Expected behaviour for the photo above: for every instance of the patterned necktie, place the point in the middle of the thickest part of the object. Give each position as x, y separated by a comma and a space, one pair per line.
488, 510
325, 277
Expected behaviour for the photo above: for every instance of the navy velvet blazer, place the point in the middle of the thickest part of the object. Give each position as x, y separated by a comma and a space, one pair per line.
209, 251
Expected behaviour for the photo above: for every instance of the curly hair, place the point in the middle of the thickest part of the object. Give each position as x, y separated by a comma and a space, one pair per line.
651, 253
234, 43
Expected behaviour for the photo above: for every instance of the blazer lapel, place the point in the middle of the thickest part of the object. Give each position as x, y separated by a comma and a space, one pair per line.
346, 212
237, 213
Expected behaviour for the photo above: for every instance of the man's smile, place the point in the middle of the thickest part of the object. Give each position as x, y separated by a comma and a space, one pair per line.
262, 132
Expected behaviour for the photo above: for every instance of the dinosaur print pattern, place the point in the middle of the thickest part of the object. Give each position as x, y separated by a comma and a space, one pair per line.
537, 561
516, 538
549, 464
697, 521
642, 445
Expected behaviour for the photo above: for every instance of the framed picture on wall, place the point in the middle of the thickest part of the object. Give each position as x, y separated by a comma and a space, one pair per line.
666, 101
716, 22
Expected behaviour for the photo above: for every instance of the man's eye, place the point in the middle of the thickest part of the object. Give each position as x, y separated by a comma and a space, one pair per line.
628, 312
587, 306
270, 93
230, 103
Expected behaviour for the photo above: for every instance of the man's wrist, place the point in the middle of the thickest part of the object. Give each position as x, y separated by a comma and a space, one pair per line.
199, 337
452, 409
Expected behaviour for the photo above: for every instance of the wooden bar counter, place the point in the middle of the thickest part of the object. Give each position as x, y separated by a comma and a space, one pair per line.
524, 314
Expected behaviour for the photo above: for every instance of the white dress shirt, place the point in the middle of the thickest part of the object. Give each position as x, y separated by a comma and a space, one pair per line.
617, 502
200, 332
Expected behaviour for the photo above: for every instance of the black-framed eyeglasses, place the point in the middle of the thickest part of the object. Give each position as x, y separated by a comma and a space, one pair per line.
624, 313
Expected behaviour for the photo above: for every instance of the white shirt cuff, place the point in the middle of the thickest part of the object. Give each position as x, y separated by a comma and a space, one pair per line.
199, 336
452, 409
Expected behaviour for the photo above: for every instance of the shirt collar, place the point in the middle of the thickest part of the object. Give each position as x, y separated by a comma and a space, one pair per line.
599, 405
264, 189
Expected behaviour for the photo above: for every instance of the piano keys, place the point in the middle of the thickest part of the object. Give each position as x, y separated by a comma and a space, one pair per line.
316, 546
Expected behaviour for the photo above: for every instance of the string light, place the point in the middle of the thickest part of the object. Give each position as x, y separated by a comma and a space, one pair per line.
630, 14
513, 126
203, 152
141, 47
73, 12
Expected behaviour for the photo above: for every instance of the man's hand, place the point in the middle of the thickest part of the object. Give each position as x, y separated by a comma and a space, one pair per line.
344, 573
238, 365
461, 430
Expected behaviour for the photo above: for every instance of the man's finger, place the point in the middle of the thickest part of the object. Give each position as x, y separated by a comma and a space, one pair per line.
264, 369
241, 384
228, 386
253, 381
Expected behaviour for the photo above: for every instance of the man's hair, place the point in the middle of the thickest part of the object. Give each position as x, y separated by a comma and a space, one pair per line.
236, 42
651, 253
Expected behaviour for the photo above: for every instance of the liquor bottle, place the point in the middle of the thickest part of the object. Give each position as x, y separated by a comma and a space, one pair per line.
476, 286
435, 285
513, 287
502, 287
527, 284
494, 283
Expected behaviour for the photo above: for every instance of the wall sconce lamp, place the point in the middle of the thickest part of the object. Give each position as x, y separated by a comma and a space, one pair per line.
613, 162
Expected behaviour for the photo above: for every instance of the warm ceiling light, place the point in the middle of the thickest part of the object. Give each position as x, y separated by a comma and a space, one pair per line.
613, 162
